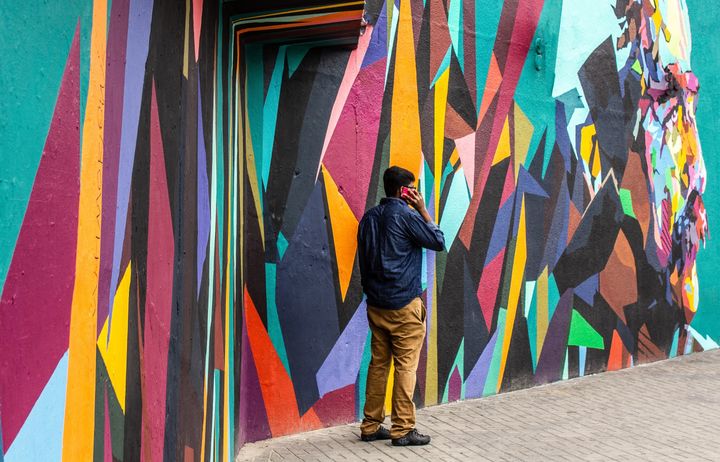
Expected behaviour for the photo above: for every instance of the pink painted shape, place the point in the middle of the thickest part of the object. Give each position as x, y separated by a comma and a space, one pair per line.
37, 296
509, 186
351, 71
466, 151
488, 287
197, 24
107, 452
350, 154
455, 386
158, 304
525, 23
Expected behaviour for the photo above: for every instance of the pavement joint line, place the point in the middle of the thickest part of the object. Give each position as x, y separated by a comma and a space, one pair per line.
656, 411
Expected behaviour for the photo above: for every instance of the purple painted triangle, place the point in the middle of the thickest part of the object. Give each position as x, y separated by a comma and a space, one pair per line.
37, 296
552, 357
252, 418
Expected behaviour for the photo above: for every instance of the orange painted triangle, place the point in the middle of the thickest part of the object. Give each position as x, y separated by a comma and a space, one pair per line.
275, 384
344, 231
492, 84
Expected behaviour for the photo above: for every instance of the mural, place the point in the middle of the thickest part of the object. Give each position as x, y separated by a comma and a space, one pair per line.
557, 148
182, 185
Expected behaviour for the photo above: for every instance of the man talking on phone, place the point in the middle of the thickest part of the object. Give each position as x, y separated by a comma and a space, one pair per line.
391, 237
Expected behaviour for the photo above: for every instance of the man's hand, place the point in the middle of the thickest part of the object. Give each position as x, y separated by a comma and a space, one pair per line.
416, 201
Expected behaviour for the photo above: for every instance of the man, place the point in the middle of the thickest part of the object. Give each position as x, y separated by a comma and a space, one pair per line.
390, 241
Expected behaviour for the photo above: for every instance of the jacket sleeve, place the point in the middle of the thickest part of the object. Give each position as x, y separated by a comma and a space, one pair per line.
428, 235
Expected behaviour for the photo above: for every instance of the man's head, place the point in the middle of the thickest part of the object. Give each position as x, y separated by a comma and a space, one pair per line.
395, 178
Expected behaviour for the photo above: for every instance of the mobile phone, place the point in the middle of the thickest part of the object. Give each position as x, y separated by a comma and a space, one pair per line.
404, 191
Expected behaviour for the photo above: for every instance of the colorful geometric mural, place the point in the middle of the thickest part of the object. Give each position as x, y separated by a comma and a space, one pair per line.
558, 153
182, 184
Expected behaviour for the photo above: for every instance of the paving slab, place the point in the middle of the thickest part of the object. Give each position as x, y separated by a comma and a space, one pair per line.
665, 411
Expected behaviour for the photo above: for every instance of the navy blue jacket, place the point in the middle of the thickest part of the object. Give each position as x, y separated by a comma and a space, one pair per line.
391, 236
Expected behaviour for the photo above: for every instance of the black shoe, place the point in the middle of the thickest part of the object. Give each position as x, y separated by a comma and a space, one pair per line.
382, 433
413, 438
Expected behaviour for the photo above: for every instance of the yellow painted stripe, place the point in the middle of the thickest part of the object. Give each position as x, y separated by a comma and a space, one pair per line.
187, 38
252, 174
503, 149
431, 376
405, 143
516, 282
113, 344
388, 388
441, 91
78, 437
542, 310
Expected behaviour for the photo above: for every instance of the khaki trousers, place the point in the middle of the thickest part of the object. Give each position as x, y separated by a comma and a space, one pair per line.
397, 335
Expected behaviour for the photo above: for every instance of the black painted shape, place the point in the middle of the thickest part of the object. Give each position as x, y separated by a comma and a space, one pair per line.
485, 218
556, 210
504, 37
325, 74
345, 308
132, 425
166, 63
518, 366
552, 357
269, 57
580, 192
604, 320
608, 110
475, 330
255, 255
450, 315
306, 300
294, 98
459, 96
373, 10
593, 241
422, 64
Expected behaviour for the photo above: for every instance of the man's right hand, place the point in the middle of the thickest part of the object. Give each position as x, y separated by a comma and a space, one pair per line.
416, 201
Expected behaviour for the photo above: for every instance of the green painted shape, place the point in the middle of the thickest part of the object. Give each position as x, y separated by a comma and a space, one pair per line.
674, 346
487, 17
85, 35
446, 172
255, 92
393, 16
529, 296
531, 318
443, 65
653, 158
553, 296
274, 329
637, 67
583, 334
282, 245
490, 386
455, 25
362, 375
295, 55
270, 110
534, 90
459, 365
31, 73
455, 208
626, 201
215, 438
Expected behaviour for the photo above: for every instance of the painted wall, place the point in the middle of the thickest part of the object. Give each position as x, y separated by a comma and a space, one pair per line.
180, 193
113, 343
557, 147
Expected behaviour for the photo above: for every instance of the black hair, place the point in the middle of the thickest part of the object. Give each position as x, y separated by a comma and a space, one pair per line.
394, 178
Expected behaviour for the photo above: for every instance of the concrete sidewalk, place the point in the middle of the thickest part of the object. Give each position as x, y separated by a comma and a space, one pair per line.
666, 411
